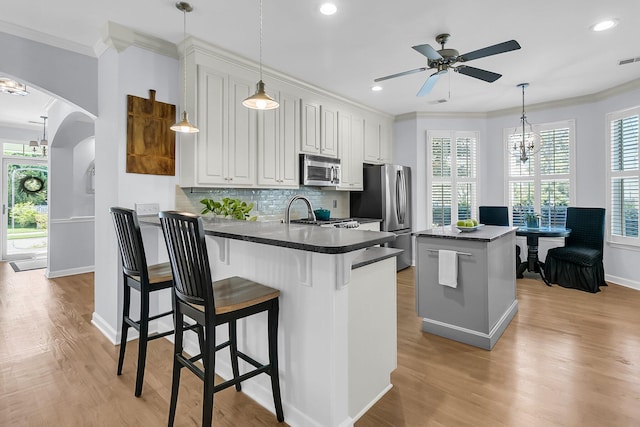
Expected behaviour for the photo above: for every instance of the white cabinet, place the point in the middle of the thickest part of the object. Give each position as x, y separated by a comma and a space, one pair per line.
377, 148
319, 129
225, 152
278, 141
351, 146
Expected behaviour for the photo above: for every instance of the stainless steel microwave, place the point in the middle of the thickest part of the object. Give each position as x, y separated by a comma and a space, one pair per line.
319, 170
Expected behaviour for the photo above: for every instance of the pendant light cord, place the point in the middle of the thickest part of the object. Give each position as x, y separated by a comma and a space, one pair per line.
184, 54
260, 39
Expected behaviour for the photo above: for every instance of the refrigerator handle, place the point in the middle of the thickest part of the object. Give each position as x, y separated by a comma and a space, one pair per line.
400, 197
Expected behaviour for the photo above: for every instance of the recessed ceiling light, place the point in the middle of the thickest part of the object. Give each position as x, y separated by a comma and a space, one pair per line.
328, 9
607, 24
376, 88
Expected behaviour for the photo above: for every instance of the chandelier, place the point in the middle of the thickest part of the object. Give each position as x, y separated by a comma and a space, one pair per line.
524, 142
43, 143
12, 87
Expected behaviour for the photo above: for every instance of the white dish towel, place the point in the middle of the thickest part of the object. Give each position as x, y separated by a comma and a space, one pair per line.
448, 268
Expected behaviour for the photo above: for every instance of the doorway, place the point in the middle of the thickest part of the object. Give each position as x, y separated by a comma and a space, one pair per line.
25, 208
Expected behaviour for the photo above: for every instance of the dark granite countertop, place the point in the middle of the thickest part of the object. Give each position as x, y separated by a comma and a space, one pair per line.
295, 236
487, 233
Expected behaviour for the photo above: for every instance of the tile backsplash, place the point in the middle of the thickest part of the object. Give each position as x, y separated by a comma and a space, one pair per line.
269, 204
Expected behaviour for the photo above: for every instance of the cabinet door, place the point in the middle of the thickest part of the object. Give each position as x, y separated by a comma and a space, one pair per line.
278, 142
211, 164
344, 146
289, 140
371, 141
268, 147
242, 140
329, 131
357, 153
310, 128
386, 146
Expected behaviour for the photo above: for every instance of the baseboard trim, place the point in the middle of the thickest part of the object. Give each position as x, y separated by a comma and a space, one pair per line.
622, 282
68, 272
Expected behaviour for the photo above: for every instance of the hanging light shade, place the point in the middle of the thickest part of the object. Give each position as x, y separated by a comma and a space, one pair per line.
525, 142
184, 126
260, 100
12, 87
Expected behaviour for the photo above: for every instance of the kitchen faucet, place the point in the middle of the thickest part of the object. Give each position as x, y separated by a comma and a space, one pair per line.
287, 212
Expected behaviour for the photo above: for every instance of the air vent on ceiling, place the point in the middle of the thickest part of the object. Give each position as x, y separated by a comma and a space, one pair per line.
628, 61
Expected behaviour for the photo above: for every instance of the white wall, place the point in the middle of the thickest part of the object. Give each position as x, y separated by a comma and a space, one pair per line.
132, 72
591, 182
62, 73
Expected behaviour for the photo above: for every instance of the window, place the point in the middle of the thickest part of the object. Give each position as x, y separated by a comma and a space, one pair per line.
624, 175
452, 183
543, 185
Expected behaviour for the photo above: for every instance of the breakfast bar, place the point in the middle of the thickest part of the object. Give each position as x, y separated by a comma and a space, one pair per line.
477, 307
329, 282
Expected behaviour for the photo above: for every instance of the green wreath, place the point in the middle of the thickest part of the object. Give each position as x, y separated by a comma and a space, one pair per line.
31, 184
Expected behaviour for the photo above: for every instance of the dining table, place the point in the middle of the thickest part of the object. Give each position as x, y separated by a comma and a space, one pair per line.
533, 234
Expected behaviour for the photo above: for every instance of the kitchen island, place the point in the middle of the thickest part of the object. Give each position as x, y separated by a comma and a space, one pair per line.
324, 313
480, 307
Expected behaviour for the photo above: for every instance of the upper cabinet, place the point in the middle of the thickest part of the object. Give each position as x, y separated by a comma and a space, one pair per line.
377, 141
244, 148
319, 129
351, 149
226, 144
278, 142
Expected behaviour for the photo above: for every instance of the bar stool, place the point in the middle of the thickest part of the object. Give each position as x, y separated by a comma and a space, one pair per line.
210, 304
143, 278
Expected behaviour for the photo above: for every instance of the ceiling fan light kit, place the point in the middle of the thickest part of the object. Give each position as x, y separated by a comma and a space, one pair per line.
445, 59
260, 100
184, 126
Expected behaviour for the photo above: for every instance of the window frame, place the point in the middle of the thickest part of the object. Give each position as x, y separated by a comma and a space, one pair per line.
624, 241
453, 180
537, 178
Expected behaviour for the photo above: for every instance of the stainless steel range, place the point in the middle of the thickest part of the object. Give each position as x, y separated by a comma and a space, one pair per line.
331, 222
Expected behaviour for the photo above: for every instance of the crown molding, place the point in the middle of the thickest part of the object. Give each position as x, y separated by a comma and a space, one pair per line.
207, 48
578, 100
119, 37
48, 39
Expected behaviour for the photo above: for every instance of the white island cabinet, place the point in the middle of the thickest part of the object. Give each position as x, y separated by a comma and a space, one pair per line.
337, 326
480, 307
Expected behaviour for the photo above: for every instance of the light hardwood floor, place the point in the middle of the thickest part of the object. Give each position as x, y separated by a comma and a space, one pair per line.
568, 358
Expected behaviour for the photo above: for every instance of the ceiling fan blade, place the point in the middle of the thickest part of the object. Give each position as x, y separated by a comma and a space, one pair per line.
490, 50
428, 51
430, 83
404, 73
485, 75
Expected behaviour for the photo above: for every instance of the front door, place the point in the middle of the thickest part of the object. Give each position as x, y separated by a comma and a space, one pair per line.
25, 208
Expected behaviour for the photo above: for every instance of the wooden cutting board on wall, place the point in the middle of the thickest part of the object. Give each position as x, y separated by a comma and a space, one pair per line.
151, 145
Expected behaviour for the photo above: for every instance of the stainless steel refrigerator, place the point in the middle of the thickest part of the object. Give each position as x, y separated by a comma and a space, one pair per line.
387, 195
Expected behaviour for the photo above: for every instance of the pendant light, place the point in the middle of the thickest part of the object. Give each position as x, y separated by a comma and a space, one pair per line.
260, 100
184, 126
528, 142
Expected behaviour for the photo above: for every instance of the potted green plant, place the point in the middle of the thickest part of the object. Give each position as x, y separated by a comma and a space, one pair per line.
228, 207
532, 219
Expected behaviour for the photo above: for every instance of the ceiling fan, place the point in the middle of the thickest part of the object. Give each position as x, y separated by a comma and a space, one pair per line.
444, 59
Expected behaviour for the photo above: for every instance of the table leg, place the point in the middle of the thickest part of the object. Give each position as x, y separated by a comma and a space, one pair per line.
533, 263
